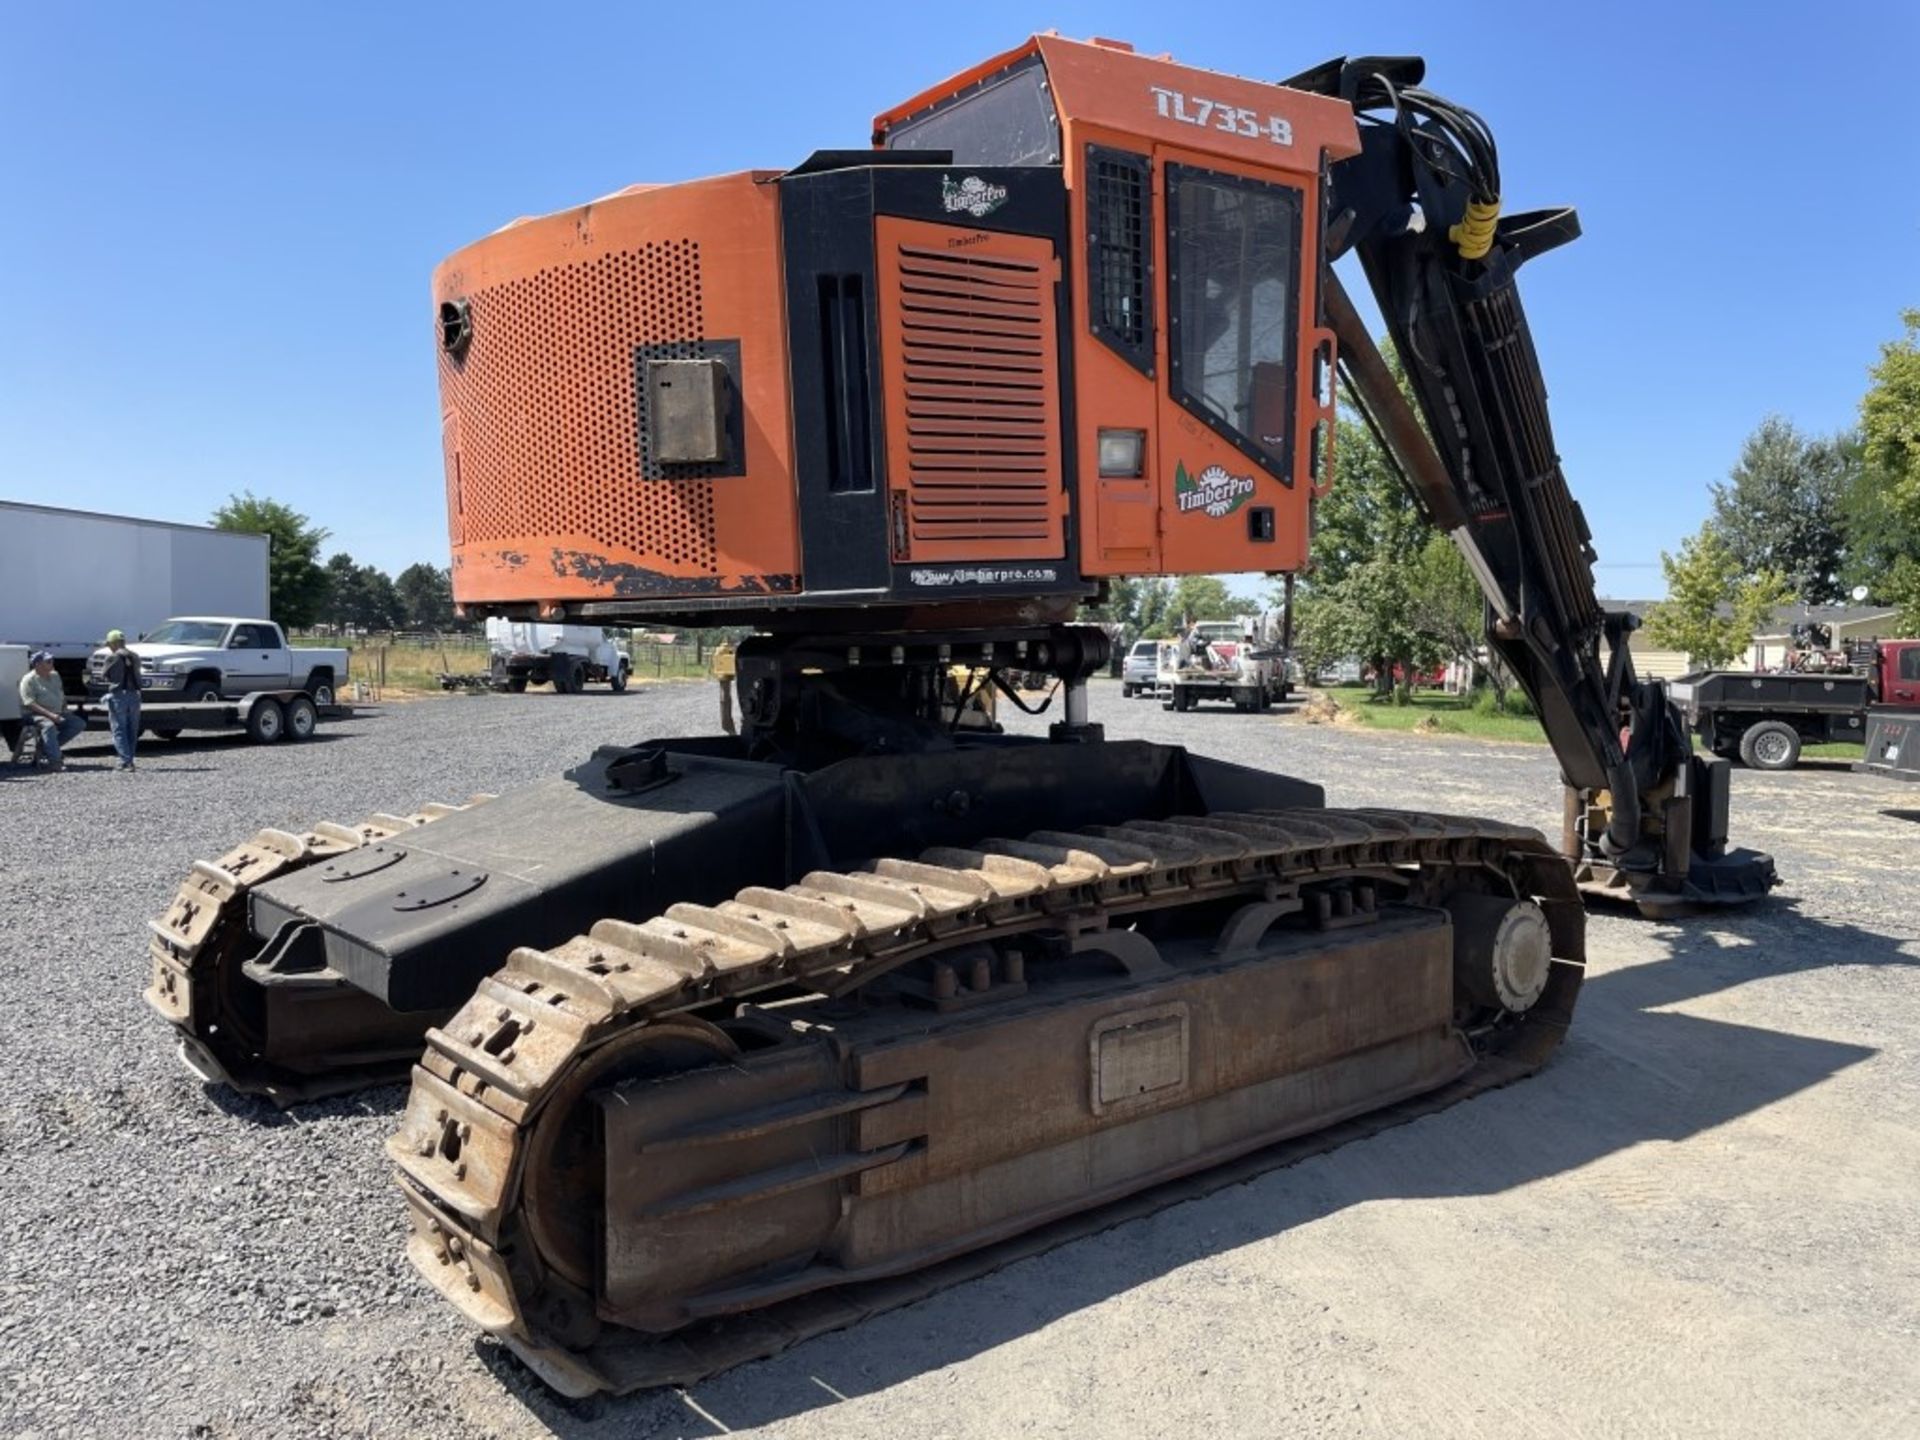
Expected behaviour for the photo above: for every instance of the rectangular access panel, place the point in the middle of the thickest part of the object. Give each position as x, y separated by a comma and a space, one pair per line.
970, 376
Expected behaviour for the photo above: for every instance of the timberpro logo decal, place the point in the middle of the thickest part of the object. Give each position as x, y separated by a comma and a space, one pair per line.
1212, 490
972, 195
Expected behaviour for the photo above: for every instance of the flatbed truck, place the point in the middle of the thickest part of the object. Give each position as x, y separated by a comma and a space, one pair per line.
1764, 718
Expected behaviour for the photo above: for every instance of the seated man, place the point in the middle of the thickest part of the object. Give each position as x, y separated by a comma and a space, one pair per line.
44, 701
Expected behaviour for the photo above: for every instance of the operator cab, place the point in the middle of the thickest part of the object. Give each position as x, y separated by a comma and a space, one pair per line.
1062, 323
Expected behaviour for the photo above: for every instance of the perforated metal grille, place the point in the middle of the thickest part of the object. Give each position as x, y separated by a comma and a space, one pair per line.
549, 437
1118, 257
974, 367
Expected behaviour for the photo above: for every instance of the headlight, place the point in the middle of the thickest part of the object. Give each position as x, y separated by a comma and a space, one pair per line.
1122, 452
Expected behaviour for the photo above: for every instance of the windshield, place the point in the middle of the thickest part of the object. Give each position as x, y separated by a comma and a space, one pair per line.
187, 632
1234, 246
1146, 647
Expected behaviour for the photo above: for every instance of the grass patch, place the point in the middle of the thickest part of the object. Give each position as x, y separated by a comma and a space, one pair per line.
1834, 750
1434, 713
1452, 715
412, 665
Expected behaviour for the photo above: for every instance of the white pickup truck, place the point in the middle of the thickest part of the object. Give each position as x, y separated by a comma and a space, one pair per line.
213, 657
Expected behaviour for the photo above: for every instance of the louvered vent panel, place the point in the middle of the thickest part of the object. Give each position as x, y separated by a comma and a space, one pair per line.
972, 394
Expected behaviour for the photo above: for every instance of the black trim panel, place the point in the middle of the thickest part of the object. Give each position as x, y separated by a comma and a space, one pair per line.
827, 223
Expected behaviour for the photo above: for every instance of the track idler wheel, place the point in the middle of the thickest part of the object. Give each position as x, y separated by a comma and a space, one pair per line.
1502, 951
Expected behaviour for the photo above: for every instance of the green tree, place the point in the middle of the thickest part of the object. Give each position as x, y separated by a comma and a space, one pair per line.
1890, 412
1784, 507
1200, 597
1713, 608
1366, 512
1137, 604
296, 585
1884, 502
1447, 606
1901, 589
1359, 596
1316, 637
425, 594
360, 595
1154, 598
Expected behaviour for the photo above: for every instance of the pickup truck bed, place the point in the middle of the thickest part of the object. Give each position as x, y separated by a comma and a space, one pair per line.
1764, 719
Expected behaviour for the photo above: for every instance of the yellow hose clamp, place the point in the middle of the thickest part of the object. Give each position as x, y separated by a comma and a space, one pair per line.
1473, 236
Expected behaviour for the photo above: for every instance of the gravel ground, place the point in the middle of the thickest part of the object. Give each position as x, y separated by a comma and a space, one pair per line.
1700, 1219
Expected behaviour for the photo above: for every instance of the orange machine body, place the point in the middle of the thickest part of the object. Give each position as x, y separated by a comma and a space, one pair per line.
1063, 323
550, 498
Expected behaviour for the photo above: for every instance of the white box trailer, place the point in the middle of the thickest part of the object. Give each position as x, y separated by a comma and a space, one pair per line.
13, 665
69, 576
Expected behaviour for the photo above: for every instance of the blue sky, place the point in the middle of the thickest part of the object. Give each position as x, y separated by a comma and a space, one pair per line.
221, 219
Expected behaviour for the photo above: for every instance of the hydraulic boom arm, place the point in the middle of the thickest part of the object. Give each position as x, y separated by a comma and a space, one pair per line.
1420, 207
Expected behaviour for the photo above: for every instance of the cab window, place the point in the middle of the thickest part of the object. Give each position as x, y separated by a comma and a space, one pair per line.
1119, 195
1234, 250
1910, 663
247, 637
1005, 119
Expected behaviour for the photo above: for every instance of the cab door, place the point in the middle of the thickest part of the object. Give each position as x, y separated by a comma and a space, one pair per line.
256, 659
1902, 674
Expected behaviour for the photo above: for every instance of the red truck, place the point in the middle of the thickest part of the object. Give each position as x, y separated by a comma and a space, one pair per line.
1764, 718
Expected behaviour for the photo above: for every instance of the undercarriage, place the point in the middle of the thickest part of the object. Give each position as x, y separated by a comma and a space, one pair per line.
713, 1026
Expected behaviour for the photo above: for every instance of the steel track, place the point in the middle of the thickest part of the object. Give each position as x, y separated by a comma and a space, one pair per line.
204, 935
526, 1042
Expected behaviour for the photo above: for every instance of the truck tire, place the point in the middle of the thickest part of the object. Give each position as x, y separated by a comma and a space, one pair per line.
1182, 698
320, 686
199, 692
575, 674
1770, 745
619, 679
303, 718
266, 722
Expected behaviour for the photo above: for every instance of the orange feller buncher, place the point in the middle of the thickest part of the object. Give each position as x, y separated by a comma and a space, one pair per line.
731, 1039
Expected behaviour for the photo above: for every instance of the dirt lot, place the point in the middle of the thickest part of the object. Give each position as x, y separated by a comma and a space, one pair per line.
1700, 1220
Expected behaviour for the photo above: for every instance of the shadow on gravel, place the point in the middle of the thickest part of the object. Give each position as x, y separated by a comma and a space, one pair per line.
1629, 1073
256, 1110
1912, 815
152, 748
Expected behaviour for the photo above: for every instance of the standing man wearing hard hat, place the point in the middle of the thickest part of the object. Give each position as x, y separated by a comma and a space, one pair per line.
123, 696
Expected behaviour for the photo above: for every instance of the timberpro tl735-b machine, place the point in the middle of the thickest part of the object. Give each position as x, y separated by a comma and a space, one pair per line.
747, 1027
